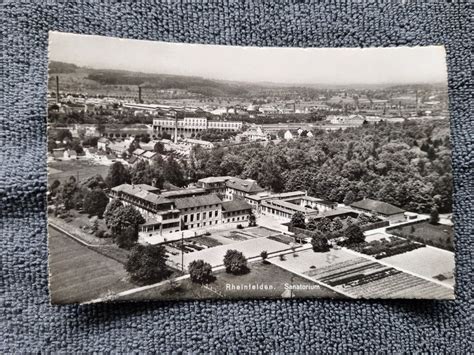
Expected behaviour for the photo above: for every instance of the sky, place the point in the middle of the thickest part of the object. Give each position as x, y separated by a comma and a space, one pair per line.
333, 66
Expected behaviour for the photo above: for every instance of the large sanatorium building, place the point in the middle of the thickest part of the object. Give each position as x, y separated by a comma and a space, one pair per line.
226, 199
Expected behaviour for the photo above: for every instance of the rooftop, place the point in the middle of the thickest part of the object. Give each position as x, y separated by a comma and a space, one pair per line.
138, 151
214, 179
248, 185
377, 206
136, 191
236, 204
183, 192
197, 201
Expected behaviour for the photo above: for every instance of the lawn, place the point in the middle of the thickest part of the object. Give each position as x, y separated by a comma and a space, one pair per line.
80, 169
263, 281
79, 274
439, 235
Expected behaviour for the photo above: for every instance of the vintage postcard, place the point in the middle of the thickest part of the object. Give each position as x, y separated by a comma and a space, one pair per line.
188, 171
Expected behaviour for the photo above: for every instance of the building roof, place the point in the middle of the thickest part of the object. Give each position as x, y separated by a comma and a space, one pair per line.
143, 194
214, 179
149, 155
147, 187
138, 151
236, 204
183, 192
247, 186
379, 207
197, 201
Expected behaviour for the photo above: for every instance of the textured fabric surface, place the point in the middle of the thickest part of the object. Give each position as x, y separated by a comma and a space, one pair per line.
29, 323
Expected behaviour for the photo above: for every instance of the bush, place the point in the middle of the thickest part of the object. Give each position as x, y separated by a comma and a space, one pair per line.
264, 256
200, 272
235, 262
320, 244
100, 233
239, 226
353, 234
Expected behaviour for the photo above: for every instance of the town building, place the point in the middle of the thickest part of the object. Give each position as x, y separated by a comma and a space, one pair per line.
159, 212
313, 202
238, 187
192, 125
199, 211
214, 184
102, 143
380, 209
236, 210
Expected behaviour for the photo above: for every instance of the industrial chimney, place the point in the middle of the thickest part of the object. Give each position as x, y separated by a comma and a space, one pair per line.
175, 127
57, 89
140, 95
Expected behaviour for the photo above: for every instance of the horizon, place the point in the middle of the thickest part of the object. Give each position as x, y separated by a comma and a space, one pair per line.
289, 66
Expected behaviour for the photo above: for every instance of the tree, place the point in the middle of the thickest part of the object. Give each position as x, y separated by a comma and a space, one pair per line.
95, 202
200, 272
354, 235
123, 217
128, 237
319, 242
336, 225
434, 215
324, 225
147, 263
235, 262
312, 224
117, 175
349, 198
159, 148
298, 220
264, 256
172, 172
252, 219
112, 206
68, 191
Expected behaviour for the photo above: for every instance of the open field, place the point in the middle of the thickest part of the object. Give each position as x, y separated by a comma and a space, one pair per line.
360, 277
440, 235
80, 169
79, 274
263, 281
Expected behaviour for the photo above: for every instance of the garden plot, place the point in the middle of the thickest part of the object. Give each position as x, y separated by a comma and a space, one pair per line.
428, 262
360, 277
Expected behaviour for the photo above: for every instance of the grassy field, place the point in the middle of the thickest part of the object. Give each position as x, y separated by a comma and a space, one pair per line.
263, 281
79, 274
82, 169
440, 235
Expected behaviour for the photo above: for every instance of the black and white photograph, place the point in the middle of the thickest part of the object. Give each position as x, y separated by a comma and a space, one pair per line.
182, 171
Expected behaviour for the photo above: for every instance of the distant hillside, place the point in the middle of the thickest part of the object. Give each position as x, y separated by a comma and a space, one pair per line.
61, 68
197, 85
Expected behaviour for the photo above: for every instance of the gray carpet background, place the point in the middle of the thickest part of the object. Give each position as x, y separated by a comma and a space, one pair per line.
29, 324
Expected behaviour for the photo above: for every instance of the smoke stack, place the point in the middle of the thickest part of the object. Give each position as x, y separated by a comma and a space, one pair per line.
57, 89
175, 114
140, 95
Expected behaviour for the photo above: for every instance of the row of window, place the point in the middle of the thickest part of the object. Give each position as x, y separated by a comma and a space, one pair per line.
191, 209
198, 216
203, 224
